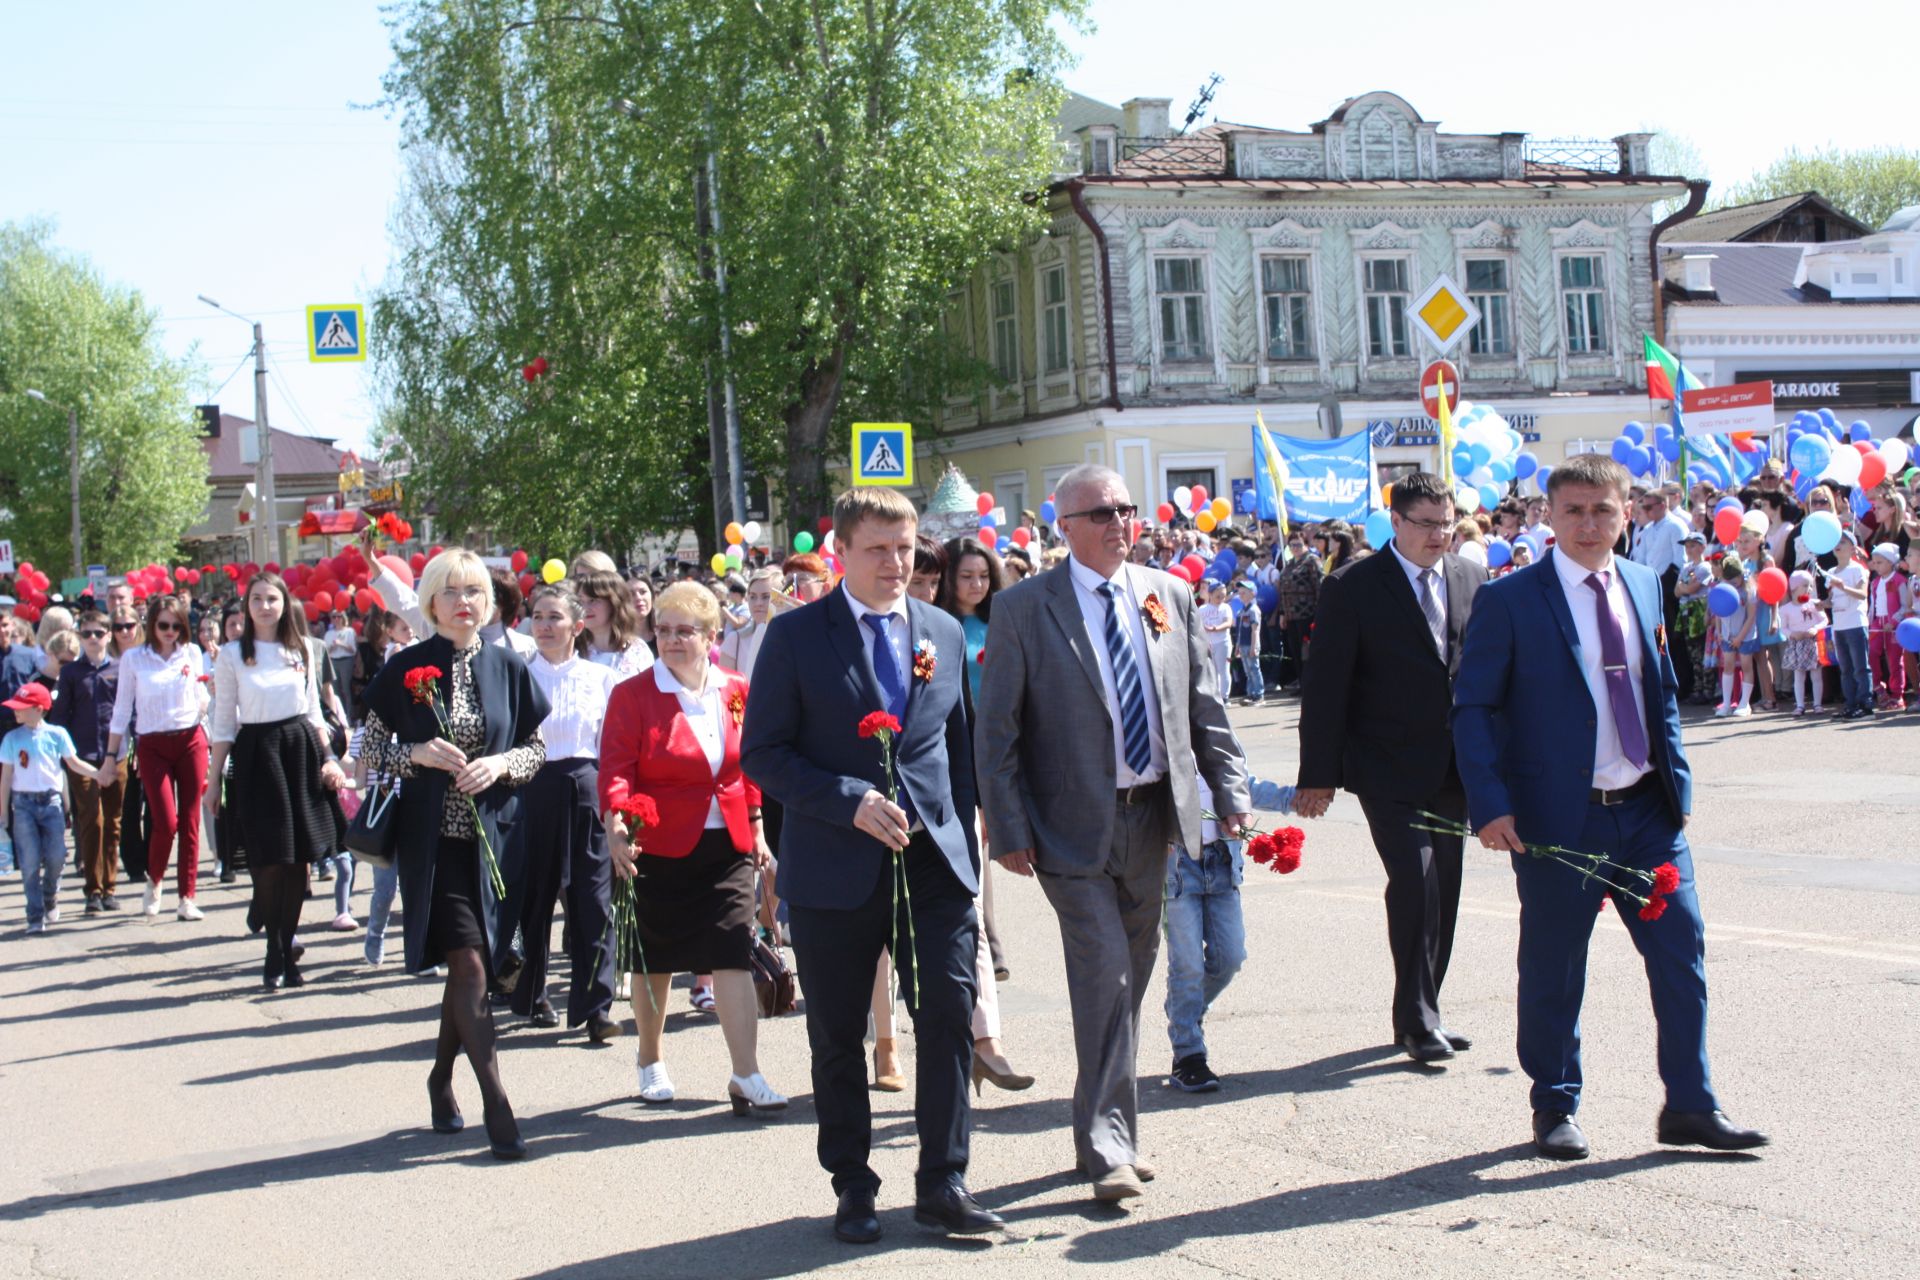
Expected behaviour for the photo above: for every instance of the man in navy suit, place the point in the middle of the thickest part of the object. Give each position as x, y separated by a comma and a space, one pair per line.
1566, 726
863, 648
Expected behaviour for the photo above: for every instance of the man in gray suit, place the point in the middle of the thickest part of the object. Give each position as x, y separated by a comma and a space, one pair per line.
1097, 714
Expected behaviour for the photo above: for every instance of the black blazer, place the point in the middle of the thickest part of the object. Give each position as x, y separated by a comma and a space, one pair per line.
513, 707
1377, 696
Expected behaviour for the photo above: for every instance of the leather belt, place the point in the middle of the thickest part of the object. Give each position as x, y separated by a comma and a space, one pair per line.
1139, 792
1646, 783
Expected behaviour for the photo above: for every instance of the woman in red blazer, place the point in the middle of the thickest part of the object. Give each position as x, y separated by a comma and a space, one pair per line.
672, 734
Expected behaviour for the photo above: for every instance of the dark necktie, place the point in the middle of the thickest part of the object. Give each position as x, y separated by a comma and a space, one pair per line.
1613, 666
892, 687
1135, 730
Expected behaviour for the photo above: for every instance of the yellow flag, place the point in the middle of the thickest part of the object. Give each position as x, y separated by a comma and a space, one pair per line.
1446, 443
1276, 471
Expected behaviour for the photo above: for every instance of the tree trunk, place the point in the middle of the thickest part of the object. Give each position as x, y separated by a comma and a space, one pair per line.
808, 419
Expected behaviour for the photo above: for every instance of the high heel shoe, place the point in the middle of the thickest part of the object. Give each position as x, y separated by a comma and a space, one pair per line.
503, 1134
753, 1096
1009, 1079
294, 978
890, 1081
275, 971
446, 1112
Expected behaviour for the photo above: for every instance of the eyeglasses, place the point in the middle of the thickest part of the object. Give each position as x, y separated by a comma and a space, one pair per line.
125, 626
1431, 526
1105, 515
682, 634
93, 635
467, 593
1819, 503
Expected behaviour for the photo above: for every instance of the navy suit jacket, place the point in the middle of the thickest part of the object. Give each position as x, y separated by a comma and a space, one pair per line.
812, 683
1524, 720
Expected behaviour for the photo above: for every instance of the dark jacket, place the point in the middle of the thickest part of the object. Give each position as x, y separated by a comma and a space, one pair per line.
83, 705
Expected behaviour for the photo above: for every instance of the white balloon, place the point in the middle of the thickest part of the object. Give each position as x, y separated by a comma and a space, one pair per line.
1467, 498
752, 531
1182, 499
826, 544
1474, 551
1479, 476
1895, 454
1843, 468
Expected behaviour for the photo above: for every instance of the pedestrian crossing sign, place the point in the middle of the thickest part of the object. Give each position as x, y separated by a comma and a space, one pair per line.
336, 332
883, 453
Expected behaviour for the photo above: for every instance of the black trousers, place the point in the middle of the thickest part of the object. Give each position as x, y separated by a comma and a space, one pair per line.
1423, 900
566, 848
836, 952
1670, 615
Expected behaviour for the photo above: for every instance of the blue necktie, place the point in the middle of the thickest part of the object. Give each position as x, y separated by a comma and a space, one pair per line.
894, 689
1135, 730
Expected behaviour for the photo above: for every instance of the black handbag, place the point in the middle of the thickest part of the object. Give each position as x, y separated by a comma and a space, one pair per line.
375, 829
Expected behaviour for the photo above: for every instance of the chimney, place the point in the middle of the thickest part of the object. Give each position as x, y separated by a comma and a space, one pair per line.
1635, 155
1696, 272
209, 419
1146, 118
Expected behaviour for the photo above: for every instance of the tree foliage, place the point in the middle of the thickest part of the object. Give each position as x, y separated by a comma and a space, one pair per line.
1872, 185
95, 346
868, 154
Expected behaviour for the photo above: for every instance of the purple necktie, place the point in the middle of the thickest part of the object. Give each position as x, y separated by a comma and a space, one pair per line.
1613, 665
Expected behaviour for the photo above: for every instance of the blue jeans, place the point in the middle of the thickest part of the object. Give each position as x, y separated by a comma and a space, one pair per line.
1206, 938
1856, 680
342, 881
386, 880
40, 843
1250, 667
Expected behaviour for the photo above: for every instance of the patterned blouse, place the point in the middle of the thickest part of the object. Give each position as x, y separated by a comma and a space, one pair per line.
467, 727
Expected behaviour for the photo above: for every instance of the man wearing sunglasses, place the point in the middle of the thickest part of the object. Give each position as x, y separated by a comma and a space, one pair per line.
1099, 718
83, 706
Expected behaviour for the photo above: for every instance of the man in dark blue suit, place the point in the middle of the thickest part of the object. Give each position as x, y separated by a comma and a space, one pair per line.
1566, 725
863, 648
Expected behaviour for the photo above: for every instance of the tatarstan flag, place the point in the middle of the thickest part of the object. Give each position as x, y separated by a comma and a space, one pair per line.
1663, 371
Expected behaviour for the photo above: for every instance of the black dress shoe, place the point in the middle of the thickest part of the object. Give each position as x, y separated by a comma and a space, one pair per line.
445, 1111
953, 1209
1459, 1043
1426, 1046
1556, 1136
855, 1221
601, 1028
503, 1135
544, 1016
1707, 1129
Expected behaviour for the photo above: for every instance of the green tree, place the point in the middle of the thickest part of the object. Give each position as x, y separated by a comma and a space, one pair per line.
868, 155
1872, 185
95, 346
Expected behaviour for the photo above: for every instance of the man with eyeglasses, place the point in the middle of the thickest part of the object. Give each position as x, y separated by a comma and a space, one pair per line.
1099, 718
83, 706
1657, 546
1374, 708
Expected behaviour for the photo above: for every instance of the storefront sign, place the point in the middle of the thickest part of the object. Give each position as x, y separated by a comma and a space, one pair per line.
1722, 411
1418, 430
1812, 388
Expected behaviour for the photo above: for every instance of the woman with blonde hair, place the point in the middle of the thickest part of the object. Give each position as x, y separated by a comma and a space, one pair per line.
458, 721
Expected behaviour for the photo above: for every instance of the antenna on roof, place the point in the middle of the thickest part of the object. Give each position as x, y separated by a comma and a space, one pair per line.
1201, 101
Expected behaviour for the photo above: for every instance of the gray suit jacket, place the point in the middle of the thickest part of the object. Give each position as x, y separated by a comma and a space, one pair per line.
1044, 732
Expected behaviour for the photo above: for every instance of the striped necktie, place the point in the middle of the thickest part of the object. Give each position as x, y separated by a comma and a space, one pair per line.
1430, 605
1135, 730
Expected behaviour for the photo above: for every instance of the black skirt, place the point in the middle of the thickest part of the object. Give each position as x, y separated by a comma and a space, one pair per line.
286, 817
696, 913
457, 916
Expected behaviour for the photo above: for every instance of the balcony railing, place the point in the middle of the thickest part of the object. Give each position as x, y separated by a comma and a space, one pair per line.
1173, 155
1594, 155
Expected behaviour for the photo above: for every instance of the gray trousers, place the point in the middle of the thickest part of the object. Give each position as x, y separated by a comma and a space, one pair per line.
1110, 929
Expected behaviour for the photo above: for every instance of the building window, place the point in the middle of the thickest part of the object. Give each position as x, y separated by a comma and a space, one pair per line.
1286, 285
1191, 476
1053, 318
1386, 290
1487, 287
1182, 286
959, 332
1006, 332
1583, 300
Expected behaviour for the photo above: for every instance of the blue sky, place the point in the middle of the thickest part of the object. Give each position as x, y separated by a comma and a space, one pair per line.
216, 148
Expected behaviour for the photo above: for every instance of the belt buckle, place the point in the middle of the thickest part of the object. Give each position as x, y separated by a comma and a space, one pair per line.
1608, 799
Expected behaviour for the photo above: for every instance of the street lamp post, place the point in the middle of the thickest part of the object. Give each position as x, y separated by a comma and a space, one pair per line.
269, 529
73, 478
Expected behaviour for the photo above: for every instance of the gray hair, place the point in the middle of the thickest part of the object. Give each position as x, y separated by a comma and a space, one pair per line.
1088, 475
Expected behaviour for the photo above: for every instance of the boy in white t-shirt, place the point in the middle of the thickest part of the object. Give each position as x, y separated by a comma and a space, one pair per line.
1848, 599
32, 786
1216, 620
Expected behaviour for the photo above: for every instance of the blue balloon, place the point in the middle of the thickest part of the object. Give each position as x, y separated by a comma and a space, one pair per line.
1829, 420
1235, 603
1533, 543
1622, 449
1490, 495
1499, 553
1480, 454
1379, 530
1860, 503
1462, 459
1803, 486
1639, 461
1861, 430
1540, 477
1907, 635
1726, 503
1810, 454
1048, 511
1515, 443
986, 521
1502, 470
1724, 600
1820, 532
1525, 465
1269, 597
1669, 447
1634, 432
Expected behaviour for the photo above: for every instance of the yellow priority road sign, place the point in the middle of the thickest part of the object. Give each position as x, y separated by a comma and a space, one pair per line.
1444, 314
883, 453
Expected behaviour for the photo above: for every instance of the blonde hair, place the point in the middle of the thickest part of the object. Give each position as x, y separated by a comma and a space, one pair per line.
591, 562
856, 505
64, 645
442, 571
693, 600
53, 621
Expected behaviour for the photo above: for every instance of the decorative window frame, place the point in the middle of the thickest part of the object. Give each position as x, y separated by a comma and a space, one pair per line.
1588, 239
1384, 240
1289, 239
1051, 255
1003, 268
1491, 239
1184, 238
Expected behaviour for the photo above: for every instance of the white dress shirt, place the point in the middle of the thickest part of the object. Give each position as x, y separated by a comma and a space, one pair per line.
897, 632
1611, 768
270, 690
1133, 626
1413, 572
1658, 545
162, 695
577, 693
703, 712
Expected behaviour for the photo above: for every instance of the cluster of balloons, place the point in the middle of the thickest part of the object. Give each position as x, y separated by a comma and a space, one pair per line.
1208, 513
337, 582
739, 537
1641, 447
1019, 536
534, 371
1820, 449
31, 586
1488, 455
551, 571
1770, 584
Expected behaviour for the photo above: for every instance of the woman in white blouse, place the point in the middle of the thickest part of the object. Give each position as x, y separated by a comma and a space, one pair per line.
612, 635
162, 689
562, 842
267, 716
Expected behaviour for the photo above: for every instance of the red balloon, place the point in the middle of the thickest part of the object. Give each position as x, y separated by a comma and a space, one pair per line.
988, 535
193, 577
1199, 496
983, 503
179, 575
528, 372
1770, 584
323, 601
313, 610
249, 568
1195, 565
366, 600
519, 561
1873, 469
1165, 512
437, 549
359, 626
26, 566
539, 364
1726, 526
527, 583
272, 567
1866, 447
394, 565
361, 579
1021, 537
417, 561
206, 568
1182, 572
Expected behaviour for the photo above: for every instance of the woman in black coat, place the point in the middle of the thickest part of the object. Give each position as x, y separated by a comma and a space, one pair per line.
456, 810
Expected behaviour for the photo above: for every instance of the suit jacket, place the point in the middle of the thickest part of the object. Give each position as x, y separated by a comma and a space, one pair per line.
813, 681
1045, 732
647, 747
1377, 694
1524, 730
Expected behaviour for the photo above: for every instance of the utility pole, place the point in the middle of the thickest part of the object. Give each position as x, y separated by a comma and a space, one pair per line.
270, 525
736, 474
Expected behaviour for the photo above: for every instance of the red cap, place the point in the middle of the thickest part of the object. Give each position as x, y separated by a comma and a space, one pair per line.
30, 695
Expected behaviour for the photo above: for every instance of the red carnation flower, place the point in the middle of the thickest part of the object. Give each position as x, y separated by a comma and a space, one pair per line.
1262, 848
875, 723
1291, 841
420, 682
1655, 908
1666, 878
639, 811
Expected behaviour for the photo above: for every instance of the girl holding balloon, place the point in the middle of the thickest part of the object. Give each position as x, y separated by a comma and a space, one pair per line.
1733, 604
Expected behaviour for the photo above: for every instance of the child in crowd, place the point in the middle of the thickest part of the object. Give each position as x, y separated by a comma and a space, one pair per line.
1246, 638
1690, 589
1732, 634
1216, 619
1848, 596
1802, 618
31, 782
1912, 660
1889, 600
1206, 935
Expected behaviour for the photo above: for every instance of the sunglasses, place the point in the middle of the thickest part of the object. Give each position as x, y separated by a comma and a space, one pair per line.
93, 635
125, 626
166, 626
1105, 515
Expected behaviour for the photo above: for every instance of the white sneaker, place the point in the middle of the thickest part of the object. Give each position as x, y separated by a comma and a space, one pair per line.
188, 911
655, 1085
36, 926
752, 1096
1742, 711
150, 902
345, 923
1723, 710
53, 915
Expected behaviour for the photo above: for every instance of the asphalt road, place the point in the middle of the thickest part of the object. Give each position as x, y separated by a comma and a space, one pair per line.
162, 1117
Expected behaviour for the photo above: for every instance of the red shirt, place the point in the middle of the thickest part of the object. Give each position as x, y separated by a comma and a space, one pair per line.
648, 748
